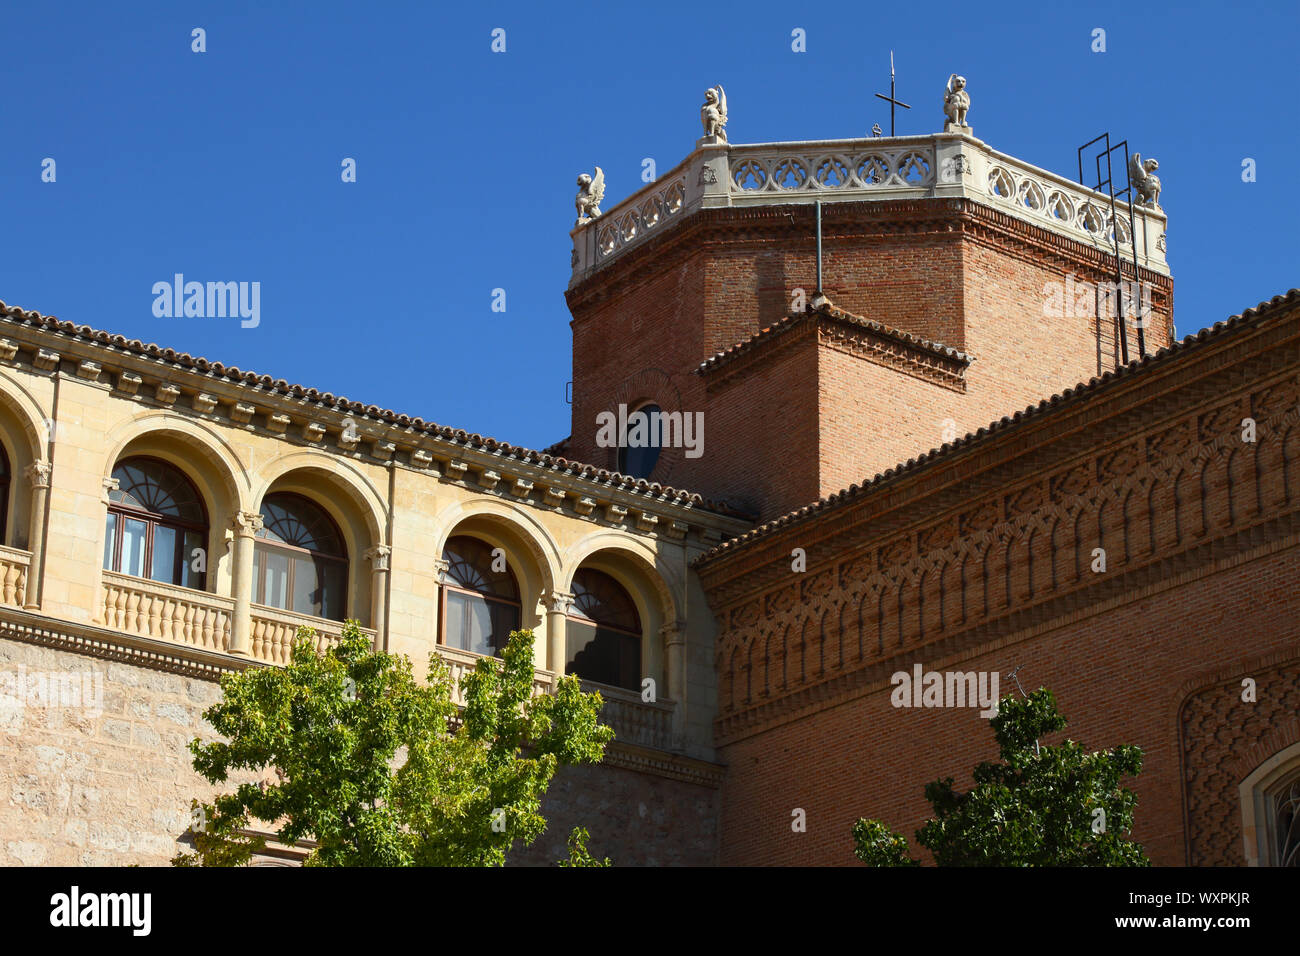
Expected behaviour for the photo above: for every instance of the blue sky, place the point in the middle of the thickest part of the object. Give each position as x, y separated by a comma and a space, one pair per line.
225, 165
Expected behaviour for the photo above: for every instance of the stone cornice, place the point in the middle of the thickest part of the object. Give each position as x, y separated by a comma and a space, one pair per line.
108, 644
304, 417
659, 763
948, 219
196, 662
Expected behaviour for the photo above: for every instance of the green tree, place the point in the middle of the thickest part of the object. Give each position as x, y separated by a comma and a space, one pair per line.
380, 770
1040, 806
578, 853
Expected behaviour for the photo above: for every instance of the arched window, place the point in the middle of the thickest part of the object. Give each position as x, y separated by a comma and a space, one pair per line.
638, 451
156, 524
603, 636
480, 598
4, 495
1284, 827
300, 563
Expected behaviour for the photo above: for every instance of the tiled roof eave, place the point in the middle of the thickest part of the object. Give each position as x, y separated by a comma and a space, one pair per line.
996, 430
273, 389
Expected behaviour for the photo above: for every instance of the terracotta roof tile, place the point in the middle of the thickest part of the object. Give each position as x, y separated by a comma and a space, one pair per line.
827, 308
1078, 392
15, 315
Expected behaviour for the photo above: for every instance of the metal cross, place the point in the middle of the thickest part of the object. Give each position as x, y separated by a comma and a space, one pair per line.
892, 102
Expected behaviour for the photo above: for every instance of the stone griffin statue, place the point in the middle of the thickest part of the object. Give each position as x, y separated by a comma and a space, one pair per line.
713, 114
1142, 174
591, 190
956, 101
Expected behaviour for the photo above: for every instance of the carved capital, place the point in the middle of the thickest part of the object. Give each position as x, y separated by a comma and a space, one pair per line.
378, 557
440, 566
110, 485
38, 473
557, 602
674, 632
246, 524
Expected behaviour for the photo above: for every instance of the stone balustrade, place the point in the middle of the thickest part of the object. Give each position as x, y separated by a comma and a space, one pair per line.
635, 721
941, 165
13, 576
272, 633
463, 662
184, 616
166, 612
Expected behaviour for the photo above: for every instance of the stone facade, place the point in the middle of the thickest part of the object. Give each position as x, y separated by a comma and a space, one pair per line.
75, 401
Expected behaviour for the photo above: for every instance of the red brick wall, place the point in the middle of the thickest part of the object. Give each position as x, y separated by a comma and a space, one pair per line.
761, 433
655, 315
873, 417
654, 324
982, 560
1116, 675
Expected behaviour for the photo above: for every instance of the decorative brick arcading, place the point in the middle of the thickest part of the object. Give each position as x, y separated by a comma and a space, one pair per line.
1223, 739
1188, 490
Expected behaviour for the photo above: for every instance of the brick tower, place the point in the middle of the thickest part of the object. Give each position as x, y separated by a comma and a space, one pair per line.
960, 285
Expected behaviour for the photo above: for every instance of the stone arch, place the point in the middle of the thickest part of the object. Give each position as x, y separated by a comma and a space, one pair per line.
205, 457
1253, 792
348, 497
651, 385
514, 529
529, 548
25, 437
655, 590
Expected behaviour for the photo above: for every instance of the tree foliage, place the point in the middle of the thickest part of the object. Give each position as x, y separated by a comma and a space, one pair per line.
579, 855
380, 770
1040, 806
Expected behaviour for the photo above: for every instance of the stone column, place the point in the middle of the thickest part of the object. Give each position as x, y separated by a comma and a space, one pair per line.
557, 609
378, 557
38, 472
245, 524
673, 636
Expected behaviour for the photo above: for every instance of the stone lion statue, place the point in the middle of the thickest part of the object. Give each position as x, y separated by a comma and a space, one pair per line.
956, 101
1141, 174
591, 190
713, 114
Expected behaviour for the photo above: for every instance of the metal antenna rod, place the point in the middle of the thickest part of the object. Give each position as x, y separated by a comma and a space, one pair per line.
819, 247
1013, 676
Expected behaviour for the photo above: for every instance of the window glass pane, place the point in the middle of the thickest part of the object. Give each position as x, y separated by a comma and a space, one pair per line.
478, 626
110, 540
334, 576
455, 633
629, 661
133, 541
603, 656
640, 460
273, 576
580, 653
306, 589
505, 618
194, 578
164, 555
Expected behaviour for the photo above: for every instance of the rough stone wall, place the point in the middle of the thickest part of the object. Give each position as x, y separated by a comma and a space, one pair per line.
111, 785
99, 786
633, 818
